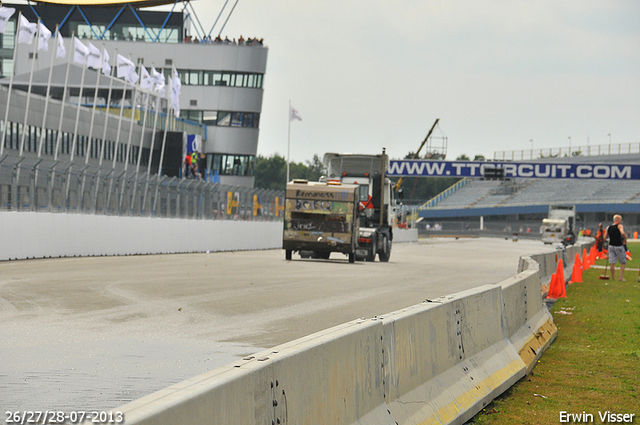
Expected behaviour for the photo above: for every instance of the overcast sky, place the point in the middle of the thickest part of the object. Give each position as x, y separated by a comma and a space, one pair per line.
377, 73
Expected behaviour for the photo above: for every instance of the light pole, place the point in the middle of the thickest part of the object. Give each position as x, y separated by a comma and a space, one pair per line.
609, 143
531, 140
569, 146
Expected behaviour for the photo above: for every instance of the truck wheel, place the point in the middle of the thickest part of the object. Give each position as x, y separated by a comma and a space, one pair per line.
372, 252
385, 253
287, 254
352, 257
324, 255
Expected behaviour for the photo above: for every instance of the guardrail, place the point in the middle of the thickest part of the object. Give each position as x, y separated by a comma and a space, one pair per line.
34, 185
588, 150
440, 361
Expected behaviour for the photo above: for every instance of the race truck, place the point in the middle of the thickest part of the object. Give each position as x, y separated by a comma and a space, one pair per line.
321, 218
559, 226
376, 209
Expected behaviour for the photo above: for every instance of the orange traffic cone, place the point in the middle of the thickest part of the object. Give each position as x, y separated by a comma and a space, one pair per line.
576, 274
586, 261
556, 288
592, 255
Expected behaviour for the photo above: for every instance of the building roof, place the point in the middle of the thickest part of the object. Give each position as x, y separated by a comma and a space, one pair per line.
137, 3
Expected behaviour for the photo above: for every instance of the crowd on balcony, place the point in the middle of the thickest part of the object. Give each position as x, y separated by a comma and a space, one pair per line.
219, 40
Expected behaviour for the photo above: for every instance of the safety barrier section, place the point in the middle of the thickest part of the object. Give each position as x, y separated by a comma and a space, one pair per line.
405, 235
447, 358
331, 377
527, 322
41, 235
438, 362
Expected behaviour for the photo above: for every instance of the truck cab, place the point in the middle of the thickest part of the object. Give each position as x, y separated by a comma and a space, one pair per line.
559, 226
376, 201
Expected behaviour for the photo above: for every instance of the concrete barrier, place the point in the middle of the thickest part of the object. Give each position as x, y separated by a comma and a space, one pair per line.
405, 235
438, 362
41, 235
331, 377
447, 358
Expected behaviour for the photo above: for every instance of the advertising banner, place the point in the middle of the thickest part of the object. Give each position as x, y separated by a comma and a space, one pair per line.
542, 170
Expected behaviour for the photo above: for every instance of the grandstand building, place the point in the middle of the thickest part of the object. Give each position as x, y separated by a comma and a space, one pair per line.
522, 203
220, 99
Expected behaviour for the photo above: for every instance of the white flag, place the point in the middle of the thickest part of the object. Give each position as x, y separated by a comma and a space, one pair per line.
94, 60
158, 81
106, 68
27, 31
145, 79
132, 77
5, 14
62, 51
176, 85
126, 70
43, 38
80, 52
294, 115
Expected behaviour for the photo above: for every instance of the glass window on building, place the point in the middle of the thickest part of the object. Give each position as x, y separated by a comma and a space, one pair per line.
224, 118
240, 80
236, 119
247, 119
191, 115
195, 78
231, 165
209, 117
225, 80
251, 80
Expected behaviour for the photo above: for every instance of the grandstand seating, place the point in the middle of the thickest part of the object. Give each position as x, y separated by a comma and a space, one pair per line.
522, 192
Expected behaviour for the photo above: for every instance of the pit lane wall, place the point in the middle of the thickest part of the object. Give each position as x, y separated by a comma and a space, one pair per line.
437, 362
42, 235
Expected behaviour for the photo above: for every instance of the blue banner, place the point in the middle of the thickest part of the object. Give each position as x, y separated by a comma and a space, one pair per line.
541, 170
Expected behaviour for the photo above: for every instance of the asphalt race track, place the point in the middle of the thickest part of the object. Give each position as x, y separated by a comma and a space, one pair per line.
96, 333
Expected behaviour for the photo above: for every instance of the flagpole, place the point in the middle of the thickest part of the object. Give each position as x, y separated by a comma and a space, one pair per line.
46, 100
289, 143
153, 138
164, 140
144, 123
104, 135
133, 109
64, 97
75, 129
93, 110
26, 109
153, 135
15, 55
117, 147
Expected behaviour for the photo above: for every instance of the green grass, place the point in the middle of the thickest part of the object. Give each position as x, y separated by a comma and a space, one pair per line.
593, 365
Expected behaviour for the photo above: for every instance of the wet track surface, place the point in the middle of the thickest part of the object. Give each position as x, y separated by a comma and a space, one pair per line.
96, 333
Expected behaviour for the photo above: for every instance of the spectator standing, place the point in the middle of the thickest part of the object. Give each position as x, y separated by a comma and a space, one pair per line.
600, 238
617, 239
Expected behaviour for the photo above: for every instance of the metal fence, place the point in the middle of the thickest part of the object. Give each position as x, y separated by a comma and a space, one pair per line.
29, 184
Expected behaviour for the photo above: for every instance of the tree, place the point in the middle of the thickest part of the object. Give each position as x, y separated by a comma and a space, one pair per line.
271, 172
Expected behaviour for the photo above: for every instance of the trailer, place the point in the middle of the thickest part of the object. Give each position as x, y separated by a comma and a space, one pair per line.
321, 218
